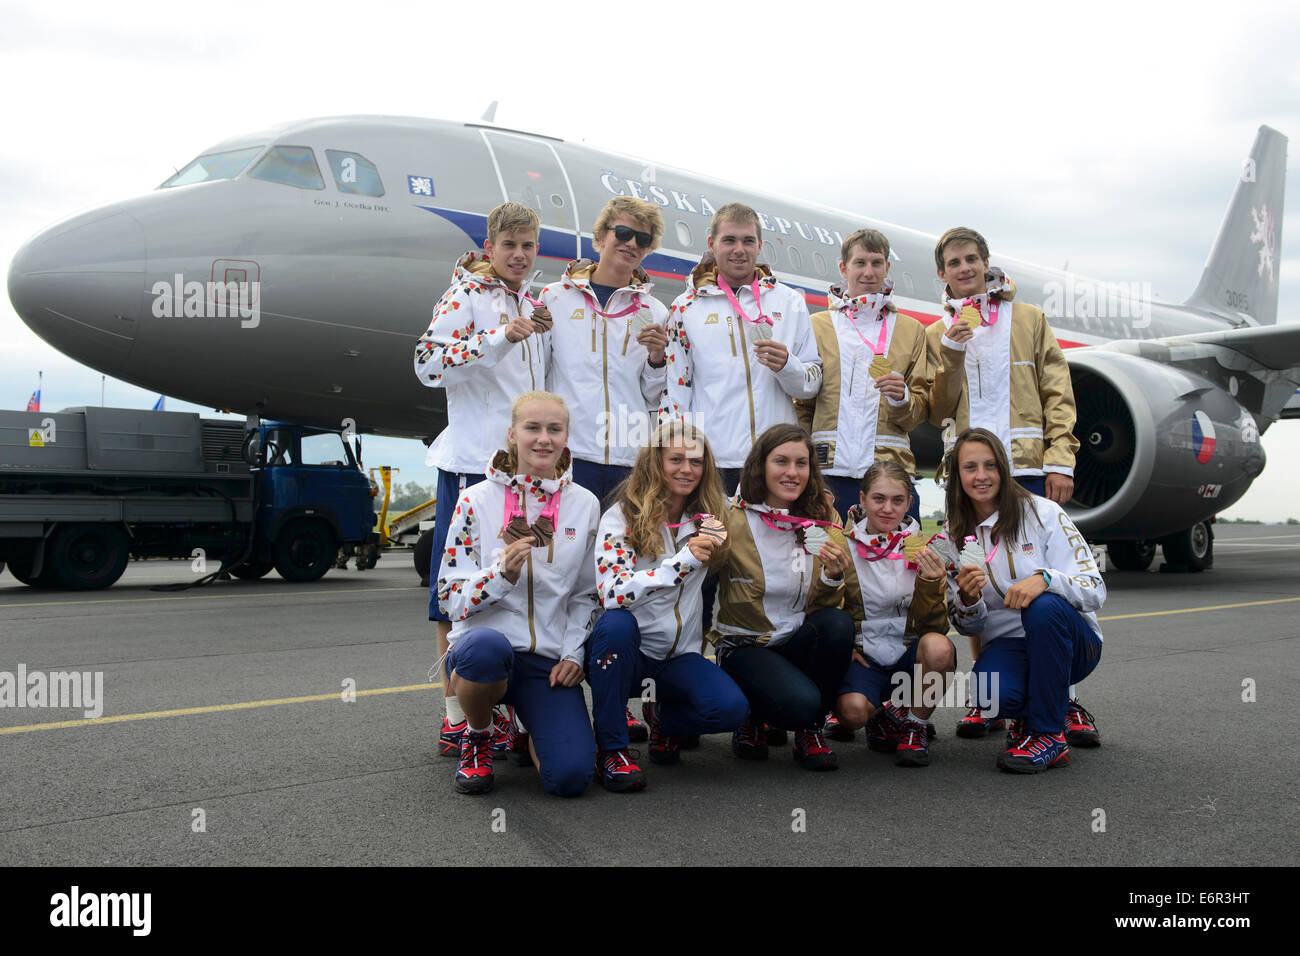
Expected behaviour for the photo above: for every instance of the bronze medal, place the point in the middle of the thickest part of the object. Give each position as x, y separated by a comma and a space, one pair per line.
541, 318
713, 528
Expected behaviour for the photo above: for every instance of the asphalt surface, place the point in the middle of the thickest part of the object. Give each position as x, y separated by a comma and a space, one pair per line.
1188, 772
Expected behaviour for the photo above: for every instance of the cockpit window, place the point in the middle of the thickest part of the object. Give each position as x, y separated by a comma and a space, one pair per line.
353, 173
226, 165
290, 165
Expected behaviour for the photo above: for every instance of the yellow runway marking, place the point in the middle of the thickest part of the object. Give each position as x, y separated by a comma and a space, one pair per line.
210, 597
213, 709
1194, 610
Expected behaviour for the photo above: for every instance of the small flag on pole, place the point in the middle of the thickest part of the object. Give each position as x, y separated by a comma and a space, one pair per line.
34, 403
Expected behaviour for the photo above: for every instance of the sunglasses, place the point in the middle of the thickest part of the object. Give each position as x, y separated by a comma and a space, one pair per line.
624, 233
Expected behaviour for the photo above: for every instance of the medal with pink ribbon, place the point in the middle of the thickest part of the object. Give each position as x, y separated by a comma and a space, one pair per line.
515, 526
756, 330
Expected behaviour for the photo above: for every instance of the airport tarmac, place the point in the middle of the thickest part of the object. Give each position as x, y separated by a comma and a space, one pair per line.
223, 706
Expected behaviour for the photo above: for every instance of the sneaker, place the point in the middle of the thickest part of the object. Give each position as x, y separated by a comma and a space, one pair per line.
449, 739
913, 744
636, 731
833, 729
617, 771
747, 741
1016, 731
774, 736
1034, 753
1080, 727
503, 730
520, 755
811, 753
883, 727
474, 774
663, 749
975, 724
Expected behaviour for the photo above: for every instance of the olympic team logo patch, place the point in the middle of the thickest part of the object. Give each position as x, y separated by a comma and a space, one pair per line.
1202, 436
571, 534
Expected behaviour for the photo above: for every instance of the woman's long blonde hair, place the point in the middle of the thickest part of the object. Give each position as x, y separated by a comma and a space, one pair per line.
644, 495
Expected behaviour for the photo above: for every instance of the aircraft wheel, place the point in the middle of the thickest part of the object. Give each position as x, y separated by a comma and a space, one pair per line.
423, 555
304, 550
1131, 555
1192, 549
87, 557
252, 570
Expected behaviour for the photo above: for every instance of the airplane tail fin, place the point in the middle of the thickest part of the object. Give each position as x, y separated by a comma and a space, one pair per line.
1241, 276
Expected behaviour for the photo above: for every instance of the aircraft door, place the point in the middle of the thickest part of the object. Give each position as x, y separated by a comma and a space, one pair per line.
531, 174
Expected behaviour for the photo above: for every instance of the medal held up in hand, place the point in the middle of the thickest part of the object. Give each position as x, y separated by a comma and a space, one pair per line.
711, 527
973, 553
971, 316
641, 320
541, 318
814, 538
912, 544
880, 366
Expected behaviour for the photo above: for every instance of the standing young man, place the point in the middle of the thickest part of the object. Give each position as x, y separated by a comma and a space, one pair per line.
607, 345
997, 365
484, 350
875, 388
740, 345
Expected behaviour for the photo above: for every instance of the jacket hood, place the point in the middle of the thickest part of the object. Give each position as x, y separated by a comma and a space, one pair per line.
580, 272
884, 299
999, 287
704, 277
476, 268
500, 472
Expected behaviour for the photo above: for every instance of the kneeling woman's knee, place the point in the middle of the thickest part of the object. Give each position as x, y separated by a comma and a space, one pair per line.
855, 709
482, 656
569, 774
616, 630
834, 627
1045, 610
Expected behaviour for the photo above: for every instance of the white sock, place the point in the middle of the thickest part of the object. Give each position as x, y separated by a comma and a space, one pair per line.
912, 718
1074, 694
475, 730
454, 714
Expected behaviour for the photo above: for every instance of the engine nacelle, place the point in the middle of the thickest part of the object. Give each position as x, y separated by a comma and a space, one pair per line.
1161, 448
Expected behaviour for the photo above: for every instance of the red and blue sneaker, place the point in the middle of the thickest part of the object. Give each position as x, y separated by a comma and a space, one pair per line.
833, 729
617, 771
747, 741
1016, 731
663, 749
636, 731
913, 744
1034, 753
1080, 726
474, 773
975, 724
811, 753
503, 730
883, 727
449, 739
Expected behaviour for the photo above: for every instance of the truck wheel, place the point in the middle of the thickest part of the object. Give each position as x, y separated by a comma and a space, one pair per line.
86, 557
423, 555
252, 570
304, 550
1131, 555
1190, 550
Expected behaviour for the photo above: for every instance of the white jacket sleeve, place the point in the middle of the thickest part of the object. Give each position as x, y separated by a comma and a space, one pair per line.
582, 607
453, 350
619, 585
465, 586
1069, 561
678, 394
801, 377
655, 380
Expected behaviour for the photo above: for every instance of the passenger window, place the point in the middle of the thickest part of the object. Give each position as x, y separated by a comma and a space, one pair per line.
819, 263
796, 260
683, 235
290, 166
353, 173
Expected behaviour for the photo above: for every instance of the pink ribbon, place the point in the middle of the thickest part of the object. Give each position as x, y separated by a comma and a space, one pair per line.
735, 303
595, 306
993, 312
879, 347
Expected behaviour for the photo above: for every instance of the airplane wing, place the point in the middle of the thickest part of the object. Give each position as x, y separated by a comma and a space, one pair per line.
1272, 346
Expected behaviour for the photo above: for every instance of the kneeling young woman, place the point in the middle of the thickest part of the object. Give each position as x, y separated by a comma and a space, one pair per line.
653, 549
897, 603
780, 632
518, 584
1023, 579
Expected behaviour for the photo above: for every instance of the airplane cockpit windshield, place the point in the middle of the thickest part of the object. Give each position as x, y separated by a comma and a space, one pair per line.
290, 166
224, 165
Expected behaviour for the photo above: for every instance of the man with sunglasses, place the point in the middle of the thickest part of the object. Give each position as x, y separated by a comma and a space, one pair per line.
607, 345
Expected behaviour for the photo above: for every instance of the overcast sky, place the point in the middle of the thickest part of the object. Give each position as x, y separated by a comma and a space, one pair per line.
1109, 136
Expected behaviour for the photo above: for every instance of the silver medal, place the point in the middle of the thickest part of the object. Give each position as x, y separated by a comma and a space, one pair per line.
813, 539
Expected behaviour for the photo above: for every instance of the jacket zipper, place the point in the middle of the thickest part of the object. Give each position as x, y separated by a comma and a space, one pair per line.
604, 375
532, 632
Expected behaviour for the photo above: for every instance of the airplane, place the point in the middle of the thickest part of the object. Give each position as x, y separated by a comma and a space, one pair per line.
287, 273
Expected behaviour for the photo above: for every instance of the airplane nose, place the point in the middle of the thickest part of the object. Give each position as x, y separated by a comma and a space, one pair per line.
80, 286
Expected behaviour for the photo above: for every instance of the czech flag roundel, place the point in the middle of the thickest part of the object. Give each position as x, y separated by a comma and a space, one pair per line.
1202, 436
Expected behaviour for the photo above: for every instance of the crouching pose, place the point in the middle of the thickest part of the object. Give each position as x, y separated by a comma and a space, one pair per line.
518, 584
780, 632
1023, 579
652, 552
895, 596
